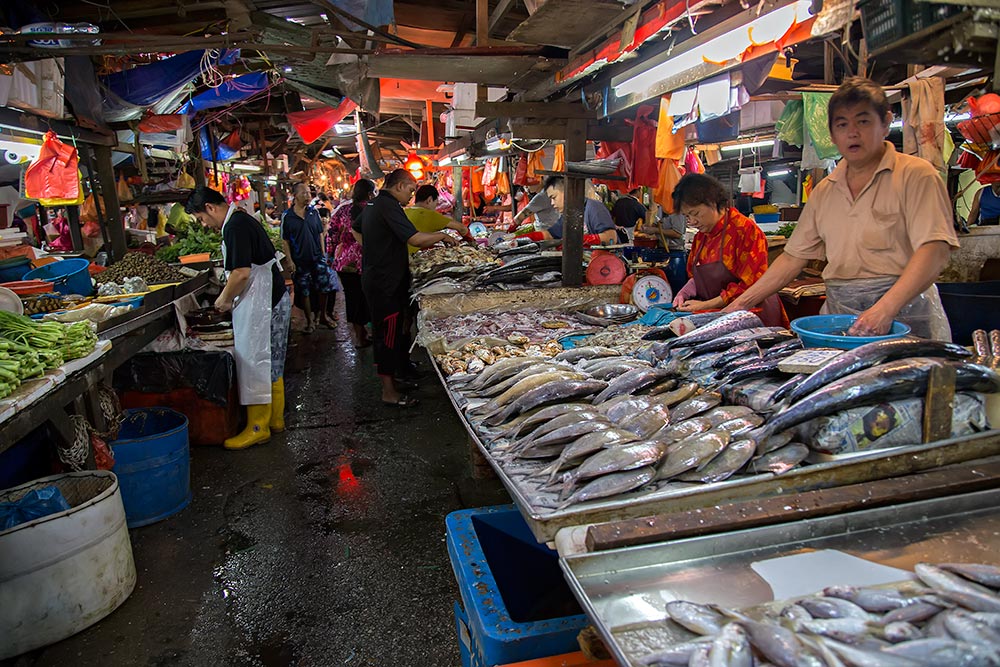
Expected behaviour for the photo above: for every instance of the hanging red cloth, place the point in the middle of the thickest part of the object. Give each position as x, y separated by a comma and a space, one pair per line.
612, 149
645, 170
314, 123
54, 174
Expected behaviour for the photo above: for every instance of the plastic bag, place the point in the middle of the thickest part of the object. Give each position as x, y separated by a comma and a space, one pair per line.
185, 181
55, 174
124, 191
54, 202
252, 337
33, 505
644, 164
816, 113
104, 458
789, 125
925, 315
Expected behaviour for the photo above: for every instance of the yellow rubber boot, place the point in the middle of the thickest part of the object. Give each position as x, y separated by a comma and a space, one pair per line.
278, 406
257, 430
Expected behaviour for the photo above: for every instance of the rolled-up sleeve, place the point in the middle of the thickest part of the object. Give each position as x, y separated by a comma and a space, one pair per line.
927, 208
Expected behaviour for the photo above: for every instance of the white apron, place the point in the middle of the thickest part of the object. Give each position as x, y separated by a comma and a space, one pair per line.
925, 315
252, 332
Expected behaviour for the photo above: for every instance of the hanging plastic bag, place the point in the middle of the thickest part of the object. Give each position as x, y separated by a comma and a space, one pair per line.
669, 144
663, 193
123, 190
252, 337
559, 158
644, 166
817, 115
185, 181
55, 174
535, 165
65, 202
789, 124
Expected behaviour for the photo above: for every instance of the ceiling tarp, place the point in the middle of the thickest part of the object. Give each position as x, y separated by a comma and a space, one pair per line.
411, 89
314, 123
147, 84
233, 90
501, 70
373, 12
566, 23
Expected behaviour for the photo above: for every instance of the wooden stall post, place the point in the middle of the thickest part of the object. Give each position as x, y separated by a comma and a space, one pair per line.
112, 208
939, 403
572, 258
456, 191
73, 215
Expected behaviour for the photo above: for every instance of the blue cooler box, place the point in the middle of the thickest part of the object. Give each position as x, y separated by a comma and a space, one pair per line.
517, 606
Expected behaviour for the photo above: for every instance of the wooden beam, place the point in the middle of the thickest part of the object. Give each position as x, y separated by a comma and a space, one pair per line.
575, 195
36, 124
541, 110
557, 131
503, 7
463, 27
482, 22
347, 16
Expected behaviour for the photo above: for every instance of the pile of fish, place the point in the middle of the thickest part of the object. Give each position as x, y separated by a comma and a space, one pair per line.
950, 619
523, 268
473, 357
537, 325
452, 260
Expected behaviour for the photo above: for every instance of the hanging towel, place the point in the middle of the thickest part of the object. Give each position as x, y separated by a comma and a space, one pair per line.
817, 122
714, 97
669, 144
923, 121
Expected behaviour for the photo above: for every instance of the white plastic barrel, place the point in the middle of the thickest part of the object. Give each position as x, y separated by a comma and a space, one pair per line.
64, 572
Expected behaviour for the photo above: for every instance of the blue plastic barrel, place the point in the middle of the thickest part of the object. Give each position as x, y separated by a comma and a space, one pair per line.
153, 464
70, 276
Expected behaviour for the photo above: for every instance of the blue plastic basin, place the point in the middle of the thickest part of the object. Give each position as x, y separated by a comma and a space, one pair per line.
828, 331
70, 276
152, 461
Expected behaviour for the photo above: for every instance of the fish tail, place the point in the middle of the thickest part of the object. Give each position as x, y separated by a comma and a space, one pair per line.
566, 503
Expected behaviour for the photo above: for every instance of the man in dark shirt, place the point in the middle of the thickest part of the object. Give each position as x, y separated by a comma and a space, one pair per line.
627, 212
304, 238
598, 227
385, 275
245, 244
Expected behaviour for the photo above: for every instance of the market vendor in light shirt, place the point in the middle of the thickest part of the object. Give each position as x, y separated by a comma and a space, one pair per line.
426, 218
882, 220
598, 225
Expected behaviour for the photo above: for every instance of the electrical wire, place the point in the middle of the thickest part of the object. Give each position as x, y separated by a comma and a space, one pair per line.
521, 148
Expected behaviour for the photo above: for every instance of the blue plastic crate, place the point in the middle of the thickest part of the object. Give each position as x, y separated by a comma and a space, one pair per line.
517, 604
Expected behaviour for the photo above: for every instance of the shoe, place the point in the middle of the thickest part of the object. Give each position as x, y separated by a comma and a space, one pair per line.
257, 431
404, 401
277, 424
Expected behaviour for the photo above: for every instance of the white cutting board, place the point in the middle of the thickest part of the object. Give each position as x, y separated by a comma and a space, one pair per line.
810, 572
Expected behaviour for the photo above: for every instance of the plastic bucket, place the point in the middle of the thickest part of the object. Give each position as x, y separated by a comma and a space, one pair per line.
152, 461
830, 331
66, 571
970, 306
69, 276
14, 269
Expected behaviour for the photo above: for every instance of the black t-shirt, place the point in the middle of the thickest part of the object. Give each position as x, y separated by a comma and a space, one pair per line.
303, 235
247, 243
626, 211
384, 228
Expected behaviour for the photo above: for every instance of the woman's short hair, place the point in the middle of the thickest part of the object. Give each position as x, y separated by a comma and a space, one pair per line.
697, 189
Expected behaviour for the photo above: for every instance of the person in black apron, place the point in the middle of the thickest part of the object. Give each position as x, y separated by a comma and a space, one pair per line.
728, 254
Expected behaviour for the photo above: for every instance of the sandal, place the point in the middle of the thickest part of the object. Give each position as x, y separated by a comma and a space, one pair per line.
404, 401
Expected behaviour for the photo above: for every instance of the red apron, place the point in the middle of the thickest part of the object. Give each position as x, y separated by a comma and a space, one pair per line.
711, 278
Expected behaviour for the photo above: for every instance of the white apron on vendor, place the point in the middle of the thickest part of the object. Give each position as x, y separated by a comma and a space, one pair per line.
868, 241
260, 326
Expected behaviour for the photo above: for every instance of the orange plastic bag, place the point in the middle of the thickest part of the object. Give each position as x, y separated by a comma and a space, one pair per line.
663, 193
559, 160
534, 165
668, 143
54, 175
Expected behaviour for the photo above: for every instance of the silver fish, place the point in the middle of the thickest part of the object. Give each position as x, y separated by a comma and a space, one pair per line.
824, 607
723, 466
586, 445
616, 459
950, 586
575, 354
914, 613
534, 451
781, 460
944, 652
987, 575
964, 628
860, 657
631, 382
528, 421
731, 648
676, 396
697, 618
645, 424
500, 371
661, 387
794, 612
991, 619
622, 407
874, 600
723, 413
497, 388
737, 351
739, 425
701, 657
611, 485
676, 431
774, 442
847, 630
527, 384
736, 321
615, 369
777, 644
677, 655
566, 434
695, 406
900, 631
760, 335
568, 419
561, 390
695, 452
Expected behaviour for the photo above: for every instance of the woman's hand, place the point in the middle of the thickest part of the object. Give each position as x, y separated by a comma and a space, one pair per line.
693, 305
685, 293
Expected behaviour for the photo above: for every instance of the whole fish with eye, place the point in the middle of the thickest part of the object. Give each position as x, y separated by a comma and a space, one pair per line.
868, 355
575, 354
739, 425
498, 388
500, 371
567, 434
752, 370
780, 460
762, 335
695, 406
693, 453
646, 424
789, 345
726, 324
622, 407
608, 372
890, 381
589, 365
584, 446
723, 466
568, 419
678, 431
612, 484
527, 422
698, 618
616, 459
524, 386
661, 387
631, 382
737, 351
675, 396
561, 390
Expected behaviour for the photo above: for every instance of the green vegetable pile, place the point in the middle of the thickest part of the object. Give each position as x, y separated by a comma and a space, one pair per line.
785, 230
29, 348
193, 239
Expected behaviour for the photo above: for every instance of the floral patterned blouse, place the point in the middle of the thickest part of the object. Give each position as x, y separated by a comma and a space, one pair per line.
341, 244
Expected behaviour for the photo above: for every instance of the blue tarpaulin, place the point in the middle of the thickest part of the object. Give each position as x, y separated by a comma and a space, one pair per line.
234, 90
222, 152
146, 84
373, 12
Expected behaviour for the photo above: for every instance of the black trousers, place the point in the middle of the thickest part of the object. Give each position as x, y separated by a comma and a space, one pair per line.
391, 342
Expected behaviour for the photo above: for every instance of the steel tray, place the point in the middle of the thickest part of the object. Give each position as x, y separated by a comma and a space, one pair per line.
624, 591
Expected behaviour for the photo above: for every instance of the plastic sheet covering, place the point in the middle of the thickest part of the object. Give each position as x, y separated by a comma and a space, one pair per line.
146, 84
252, 337
373, 12
888, 425
209, 373
222, 151
233, 90
314, 123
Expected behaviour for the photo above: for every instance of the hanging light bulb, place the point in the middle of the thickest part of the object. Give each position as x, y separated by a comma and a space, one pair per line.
414, 165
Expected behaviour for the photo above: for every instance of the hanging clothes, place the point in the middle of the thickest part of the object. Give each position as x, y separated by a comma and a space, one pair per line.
669, 144
923, 121
644, 165
559, 158
613, 149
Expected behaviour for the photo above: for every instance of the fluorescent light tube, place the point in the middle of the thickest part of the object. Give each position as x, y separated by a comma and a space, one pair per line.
779, 172
749, 144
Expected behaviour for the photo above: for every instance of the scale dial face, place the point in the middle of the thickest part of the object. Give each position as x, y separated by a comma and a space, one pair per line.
651, 291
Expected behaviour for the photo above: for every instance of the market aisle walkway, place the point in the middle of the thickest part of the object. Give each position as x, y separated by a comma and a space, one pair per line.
324, 547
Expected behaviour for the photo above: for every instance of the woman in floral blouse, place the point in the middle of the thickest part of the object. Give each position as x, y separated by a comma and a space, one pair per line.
346, 253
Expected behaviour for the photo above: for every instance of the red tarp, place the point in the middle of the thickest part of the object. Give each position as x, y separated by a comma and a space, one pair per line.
314, 123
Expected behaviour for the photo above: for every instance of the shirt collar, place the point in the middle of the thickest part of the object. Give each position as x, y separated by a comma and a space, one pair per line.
887, 163
720, 224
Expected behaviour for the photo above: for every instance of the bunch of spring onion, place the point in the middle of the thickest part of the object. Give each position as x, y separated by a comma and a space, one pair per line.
26, 331
18, 363
80, 340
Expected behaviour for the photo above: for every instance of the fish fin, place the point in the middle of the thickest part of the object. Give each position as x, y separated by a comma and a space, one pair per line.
568, 482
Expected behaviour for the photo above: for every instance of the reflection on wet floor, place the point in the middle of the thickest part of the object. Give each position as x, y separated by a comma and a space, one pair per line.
323, 547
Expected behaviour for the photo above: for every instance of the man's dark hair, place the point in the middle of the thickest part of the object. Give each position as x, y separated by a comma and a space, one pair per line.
201, 196
557, 182
858, 90
363, 190
426, 192
303, 184
395, 178
697, 189
635, 192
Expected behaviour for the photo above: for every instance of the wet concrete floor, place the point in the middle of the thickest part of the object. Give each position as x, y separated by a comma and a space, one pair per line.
325, 546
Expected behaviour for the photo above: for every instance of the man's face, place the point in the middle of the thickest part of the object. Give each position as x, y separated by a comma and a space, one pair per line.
302, 195
858, 132
558, 197
213, 216
403, 192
